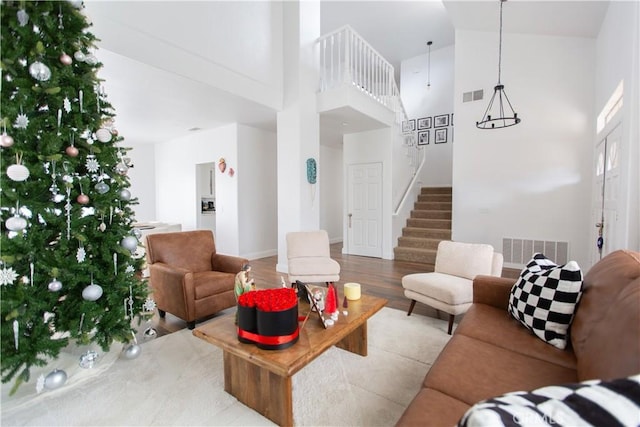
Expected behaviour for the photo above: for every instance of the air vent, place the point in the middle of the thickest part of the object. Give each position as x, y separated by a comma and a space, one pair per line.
519, 251
475, 95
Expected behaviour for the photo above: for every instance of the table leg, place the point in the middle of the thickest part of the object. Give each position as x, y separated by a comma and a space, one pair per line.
356, 341
258, 388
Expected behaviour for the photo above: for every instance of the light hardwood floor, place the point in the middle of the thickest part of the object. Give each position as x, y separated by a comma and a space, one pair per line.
377, 277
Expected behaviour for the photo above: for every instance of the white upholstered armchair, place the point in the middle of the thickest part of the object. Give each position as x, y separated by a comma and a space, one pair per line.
309, 258
450, 287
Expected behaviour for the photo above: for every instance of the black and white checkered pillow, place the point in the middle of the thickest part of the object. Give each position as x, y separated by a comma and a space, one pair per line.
589, 403
544, 298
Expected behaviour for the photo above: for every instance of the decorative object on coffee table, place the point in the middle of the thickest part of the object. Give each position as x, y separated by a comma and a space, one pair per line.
268, 318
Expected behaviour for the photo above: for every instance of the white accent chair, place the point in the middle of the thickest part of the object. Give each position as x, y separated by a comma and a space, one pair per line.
309, 258
450, 287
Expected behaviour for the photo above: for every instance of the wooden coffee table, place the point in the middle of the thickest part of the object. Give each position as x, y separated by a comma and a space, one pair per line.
261, 379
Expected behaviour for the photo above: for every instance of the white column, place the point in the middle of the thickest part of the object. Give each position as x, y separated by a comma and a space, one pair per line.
298, 123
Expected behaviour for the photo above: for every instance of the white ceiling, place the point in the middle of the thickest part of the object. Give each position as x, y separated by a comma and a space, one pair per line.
396, 29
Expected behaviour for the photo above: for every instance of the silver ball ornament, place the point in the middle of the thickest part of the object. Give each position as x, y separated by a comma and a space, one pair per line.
103, 135
131, 351
130, 243
125, 194
79, 56
150, 333
6, 140
92, 292
121, 169
55, 379
55, 285
39, 71
102, 187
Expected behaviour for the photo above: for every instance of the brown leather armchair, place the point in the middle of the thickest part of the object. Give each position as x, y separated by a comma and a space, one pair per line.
189, 279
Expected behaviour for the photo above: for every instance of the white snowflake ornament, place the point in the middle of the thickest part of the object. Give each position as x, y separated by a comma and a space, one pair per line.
67, 105
92, 164
22, 121
149, 304
81, 255
7, 276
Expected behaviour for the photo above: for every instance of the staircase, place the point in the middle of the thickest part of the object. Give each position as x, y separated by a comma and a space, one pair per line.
429, 223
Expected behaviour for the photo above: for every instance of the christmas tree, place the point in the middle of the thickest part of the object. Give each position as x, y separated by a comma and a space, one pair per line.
68, 252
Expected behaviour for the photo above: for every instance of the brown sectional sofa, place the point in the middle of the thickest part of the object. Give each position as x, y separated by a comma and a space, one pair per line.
491, 353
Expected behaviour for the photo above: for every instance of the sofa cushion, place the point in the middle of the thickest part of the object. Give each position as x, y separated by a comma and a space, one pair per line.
544, 298
606, 328
427, 409
495, 326
596, 403
473, 370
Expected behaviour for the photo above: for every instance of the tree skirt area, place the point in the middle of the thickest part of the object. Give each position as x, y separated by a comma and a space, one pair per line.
178, 380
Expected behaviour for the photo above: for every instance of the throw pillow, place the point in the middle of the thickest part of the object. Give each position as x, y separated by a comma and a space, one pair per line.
544, 298
589, 403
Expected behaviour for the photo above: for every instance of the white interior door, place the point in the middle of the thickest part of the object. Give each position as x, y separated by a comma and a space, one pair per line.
364, 210
606, 195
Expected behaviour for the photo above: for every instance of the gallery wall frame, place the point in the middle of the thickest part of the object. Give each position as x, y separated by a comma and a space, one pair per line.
440, 136
423, 137
441, 121
409, 125
424, 123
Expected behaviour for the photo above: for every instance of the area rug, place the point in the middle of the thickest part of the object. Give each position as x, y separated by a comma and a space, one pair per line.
178, 381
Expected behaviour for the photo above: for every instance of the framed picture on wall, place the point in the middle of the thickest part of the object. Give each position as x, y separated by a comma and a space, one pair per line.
441, 136
441, 121
424, 123
423, 137
409, 125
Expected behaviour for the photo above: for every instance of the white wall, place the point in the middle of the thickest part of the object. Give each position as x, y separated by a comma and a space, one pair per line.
419, 101
235, 46
617, 58
331, 192
372, 147
532, 180
256, 174
142, 178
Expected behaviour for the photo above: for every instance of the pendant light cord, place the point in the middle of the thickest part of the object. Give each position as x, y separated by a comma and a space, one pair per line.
500, 44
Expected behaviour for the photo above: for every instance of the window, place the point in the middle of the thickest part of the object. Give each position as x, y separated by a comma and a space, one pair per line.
611, 107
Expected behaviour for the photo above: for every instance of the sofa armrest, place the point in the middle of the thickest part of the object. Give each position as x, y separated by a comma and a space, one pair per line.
492, 291
227, 263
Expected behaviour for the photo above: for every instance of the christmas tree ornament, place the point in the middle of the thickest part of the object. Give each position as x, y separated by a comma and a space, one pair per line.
131, 351
66, 104
83, 199
125, 194
71, 151
92, 292
76, 3
22, 121
130, 243
54, 285
102, 187
79, 56
39, 71
92, 164
121, 169
18, 172
7, 276
16, 334
102, 227
6, 141
66, 59
81, 254
88, 359
15, 223
81, 102
55, 379
150, 333
103, 135
90, 59
23, 17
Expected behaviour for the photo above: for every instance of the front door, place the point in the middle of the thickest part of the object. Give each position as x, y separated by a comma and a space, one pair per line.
364, 210
605, 197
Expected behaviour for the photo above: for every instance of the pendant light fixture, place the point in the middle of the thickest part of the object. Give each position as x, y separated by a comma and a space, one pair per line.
429, 43
496, 116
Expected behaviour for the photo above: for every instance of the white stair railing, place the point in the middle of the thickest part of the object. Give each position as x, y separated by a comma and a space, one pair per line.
347, 59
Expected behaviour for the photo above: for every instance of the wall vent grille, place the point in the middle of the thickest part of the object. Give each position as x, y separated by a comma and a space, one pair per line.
520, 251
